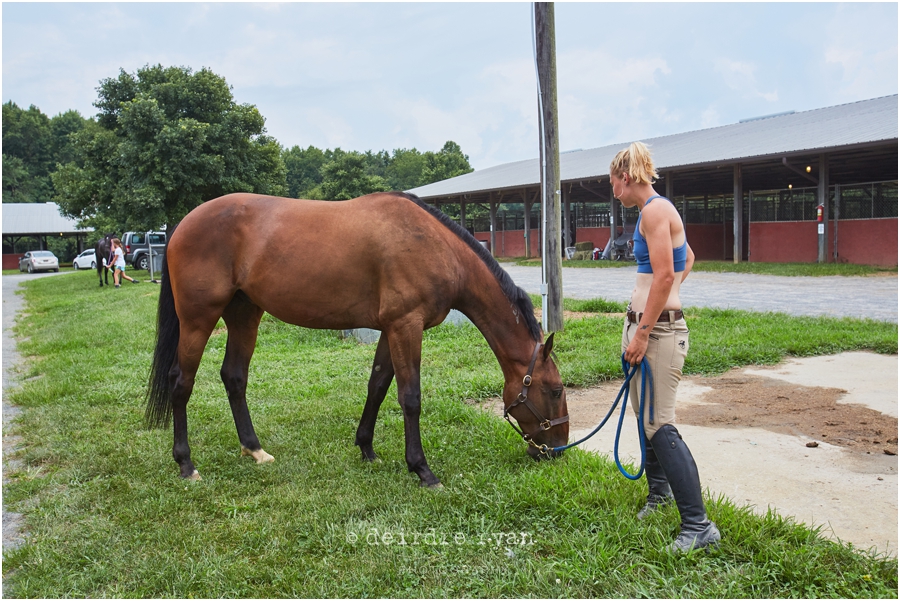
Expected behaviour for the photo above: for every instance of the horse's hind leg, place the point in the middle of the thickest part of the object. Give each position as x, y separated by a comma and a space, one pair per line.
379, 382
242, 319
192, 341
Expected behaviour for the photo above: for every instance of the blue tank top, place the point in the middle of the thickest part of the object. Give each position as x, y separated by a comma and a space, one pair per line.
642, 253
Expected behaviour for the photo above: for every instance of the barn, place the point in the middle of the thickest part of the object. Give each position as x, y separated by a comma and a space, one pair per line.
817, 185
39, 226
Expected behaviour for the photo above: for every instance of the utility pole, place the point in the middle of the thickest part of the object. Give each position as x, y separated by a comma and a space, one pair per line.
551, 255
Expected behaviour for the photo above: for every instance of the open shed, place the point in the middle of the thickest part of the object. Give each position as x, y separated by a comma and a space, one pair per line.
746, 191
30, 226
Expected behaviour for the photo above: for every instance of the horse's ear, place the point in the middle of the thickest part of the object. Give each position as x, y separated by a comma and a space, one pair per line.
548, 346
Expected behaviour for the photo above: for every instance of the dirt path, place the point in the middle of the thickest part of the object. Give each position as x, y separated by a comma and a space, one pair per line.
813, 438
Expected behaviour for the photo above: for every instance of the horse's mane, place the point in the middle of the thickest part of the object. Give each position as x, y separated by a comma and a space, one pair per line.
518, 297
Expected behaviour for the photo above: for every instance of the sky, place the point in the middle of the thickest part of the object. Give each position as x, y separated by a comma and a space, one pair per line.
379, 76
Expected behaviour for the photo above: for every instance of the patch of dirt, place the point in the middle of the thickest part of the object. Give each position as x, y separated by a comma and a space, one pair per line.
759, 402
740, 401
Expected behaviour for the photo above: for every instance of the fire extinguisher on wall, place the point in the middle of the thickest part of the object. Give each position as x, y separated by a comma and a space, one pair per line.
819, 213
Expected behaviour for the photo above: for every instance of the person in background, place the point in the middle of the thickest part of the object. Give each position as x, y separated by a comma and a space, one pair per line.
118, 263
655, 328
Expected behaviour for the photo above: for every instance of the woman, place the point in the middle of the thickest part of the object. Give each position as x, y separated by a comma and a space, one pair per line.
655, 329
118, 265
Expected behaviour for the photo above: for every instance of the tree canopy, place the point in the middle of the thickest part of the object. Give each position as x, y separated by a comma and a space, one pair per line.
166, 139
338, 174
33, 144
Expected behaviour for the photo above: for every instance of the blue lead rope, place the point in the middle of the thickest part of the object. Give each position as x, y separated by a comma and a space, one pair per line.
646, 378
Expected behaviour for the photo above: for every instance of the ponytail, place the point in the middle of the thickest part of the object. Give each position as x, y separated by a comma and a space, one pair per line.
636, 162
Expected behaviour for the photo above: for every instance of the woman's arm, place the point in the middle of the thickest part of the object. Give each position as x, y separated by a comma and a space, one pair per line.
656, 232
689, 263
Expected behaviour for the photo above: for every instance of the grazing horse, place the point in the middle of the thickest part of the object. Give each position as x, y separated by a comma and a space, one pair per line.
385, 261
103, 250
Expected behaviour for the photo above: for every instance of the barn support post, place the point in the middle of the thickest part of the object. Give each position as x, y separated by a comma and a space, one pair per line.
823, 201
493, 206
837, 217
613, 212
462, 213
738, 214
527, 223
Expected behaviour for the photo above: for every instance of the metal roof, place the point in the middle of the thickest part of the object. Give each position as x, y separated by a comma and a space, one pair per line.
37, 218
844, 126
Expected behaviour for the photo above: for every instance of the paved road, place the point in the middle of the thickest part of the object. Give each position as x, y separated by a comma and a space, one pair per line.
873, 297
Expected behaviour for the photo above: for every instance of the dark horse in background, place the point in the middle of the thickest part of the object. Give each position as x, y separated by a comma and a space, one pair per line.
103, 250
385, 261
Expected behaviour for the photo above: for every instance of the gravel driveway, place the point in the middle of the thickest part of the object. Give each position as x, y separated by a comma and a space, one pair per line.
874, 297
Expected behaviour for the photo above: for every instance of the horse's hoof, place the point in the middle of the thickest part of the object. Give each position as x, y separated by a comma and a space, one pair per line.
260, 456
435, 486
373, 458
195, 476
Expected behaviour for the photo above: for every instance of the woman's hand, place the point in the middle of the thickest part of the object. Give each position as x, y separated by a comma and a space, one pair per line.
637, 348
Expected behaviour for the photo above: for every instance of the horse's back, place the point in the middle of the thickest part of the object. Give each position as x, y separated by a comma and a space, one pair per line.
351, 263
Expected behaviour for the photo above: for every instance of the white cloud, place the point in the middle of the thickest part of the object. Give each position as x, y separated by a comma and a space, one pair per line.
866, 63
741, 77
710, 118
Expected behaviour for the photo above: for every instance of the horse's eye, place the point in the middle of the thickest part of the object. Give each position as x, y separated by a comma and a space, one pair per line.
557, 393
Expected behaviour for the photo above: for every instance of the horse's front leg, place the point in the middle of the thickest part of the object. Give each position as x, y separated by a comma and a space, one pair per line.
379, 382
406, 353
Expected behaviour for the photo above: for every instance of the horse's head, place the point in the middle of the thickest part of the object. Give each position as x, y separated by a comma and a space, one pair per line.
537, 401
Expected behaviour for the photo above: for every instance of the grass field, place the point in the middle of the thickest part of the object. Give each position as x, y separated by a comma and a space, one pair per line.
107, 515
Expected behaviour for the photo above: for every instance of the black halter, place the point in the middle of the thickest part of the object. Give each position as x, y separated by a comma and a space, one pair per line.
522, 399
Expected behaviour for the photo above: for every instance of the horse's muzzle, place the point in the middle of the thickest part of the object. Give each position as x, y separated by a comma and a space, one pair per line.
538, 454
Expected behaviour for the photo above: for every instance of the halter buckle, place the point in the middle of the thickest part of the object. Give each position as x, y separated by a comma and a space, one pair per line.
526, 381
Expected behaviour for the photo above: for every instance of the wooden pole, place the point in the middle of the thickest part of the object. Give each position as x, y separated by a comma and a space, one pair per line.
545, 45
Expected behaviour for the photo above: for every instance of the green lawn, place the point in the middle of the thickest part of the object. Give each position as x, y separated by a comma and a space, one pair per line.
107, 515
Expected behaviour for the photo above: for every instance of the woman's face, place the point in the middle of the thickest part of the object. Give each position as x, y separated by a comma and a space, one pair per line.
619, 183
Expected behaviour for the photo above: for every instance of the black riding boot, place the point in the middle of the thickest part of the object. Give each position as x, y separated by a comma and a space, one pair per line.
658, 493
681, 472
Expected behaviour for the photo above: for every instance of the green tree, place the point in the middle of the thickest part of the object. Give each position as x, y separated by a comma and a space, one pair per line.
405, 169
448, 162
347, 176
33, 146
303, 170
26, 154
62, 127
166, 140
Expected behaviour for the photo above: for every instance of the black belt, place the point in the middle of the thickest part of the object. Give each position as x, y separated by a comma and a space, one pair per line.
665, 317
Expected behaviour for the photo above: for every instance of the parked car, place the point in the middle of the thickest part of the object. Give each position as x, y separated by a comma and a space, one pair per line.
38, 260
135, 244
86, 260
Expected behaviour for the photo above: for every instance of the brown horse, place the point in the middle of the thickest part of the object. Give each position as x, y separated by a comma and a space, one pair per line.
383, 261
103, 256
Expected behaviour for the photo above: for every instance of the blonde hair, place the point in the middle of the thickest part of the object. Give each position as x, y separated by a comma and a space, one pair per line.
636, 162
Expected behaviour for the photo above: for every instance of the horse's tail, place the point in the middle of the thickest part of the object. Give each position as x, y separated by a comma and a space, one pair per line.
168, 329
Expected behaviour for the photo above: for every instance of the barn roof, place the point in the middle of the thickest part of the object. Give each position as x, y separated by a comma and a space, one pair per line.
22, 219
852, 125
